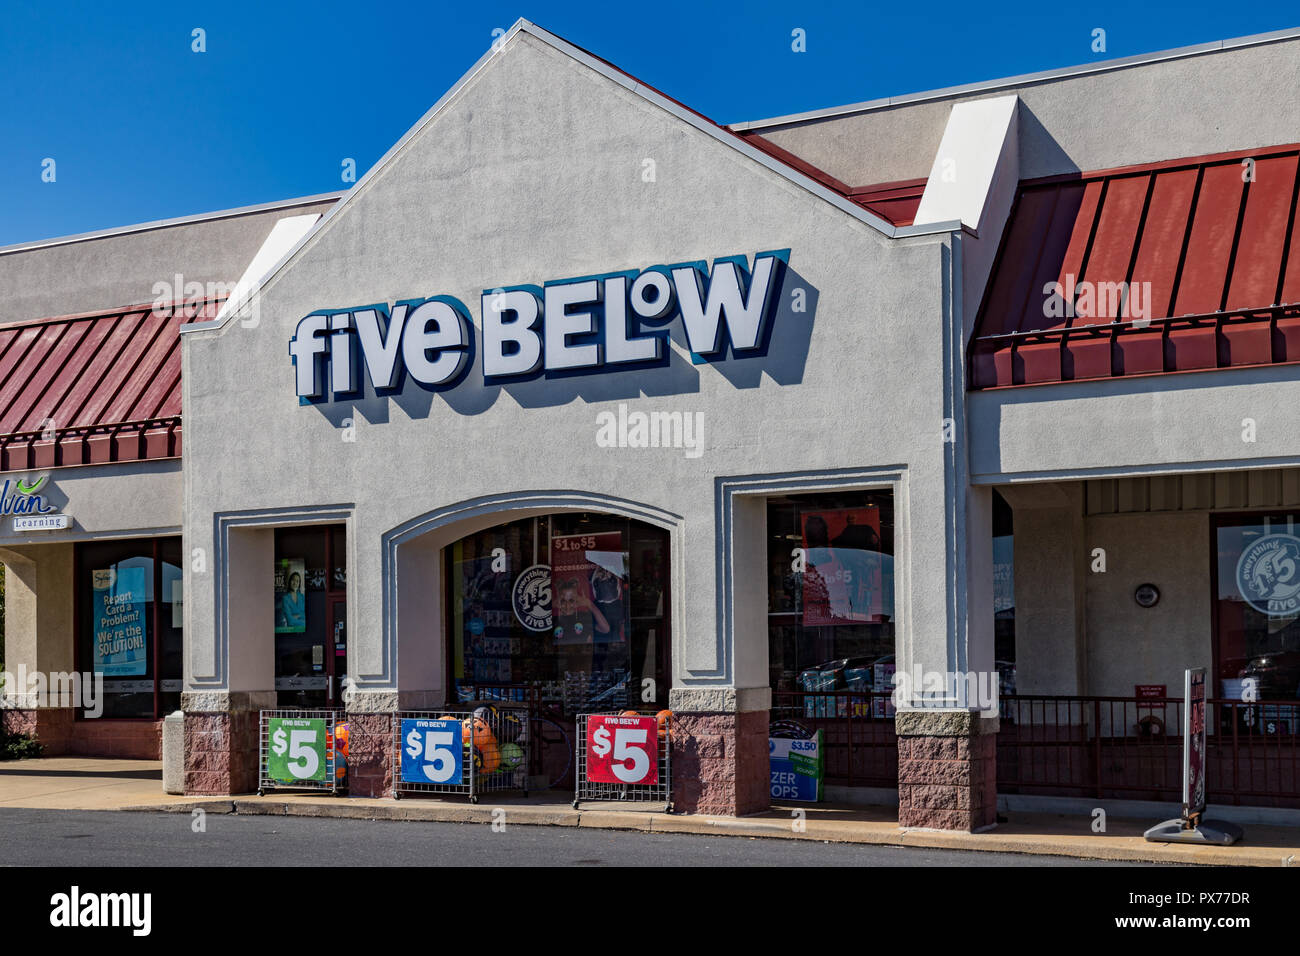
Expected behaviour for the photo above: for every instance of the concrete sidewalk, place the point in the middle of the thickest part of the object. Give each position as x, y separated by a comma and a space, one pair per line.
103, 784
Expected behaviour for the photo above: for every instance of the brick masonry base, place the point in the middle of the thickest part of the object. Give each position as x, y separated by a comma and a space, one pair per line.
720, 763
947, 782
221, 752
60, 734
370, 746
52, 727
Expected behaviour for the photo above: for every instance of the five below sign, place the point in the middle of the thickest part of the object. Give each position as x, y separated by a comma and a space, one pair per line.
567, 326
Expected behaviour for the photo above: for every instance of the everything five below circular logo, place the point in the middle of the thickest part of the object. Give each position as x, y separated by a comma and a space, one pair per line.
1268, 574
531, 597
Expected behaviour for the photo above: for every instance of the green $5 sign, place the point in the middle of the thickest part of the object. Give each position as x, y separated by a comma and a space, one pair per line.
297, 750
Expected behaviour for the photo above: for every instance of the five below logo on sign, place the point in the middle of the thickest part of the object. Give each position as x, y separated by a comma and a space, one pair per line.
568, 326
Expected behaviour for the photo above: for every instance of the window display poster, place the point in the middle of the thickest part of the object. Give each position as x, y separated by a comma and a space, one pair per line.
118, 604
843, 570
485, 612
589, 588
290, 596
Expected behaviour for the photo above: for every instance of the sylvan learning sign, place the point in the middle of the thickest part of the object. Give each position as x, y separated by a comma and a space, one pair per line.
567, 326
30, 509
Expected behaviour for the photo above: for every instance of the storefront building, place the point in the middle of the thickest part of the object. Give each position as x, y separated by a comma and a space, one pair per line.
579, 394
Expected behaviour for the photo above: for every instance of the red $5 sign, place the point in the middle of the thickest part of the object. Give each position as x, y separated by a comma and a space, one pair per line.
622, 750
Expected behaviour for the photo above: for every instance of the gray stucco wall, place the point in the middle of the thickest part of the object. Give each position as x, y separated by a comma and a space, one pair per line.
533, 171
1183, 422
1128, 645
120, 500
118, 270
1208, 103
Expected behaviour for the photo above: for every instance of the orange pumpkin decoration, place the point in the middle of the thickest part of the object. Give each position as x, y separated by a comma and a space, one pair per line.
475, 732
665, 719
487, 758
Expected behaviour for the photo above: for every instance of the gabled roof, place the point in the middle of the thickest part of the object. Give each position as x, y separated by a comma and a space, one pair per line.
799, 174
1205, 251
94, 388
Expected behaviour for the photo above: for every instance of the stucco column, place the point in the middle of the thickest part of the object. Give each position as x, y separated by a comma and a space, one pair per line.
222, 724
1050, 568
947, 724
720, 733
39, 640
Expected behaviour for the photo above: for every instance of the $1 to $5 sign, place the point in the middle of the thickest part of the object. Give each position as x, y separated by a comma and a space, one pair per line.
622, 750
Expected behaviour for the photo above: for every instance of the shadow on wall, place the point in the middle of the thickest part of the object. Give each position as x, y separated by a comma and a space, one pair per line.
1040, 153
783, 357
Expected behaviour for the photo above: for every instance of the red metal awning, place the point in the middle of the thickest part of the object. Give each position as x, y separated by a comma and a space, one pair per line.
1177, 266
93, 388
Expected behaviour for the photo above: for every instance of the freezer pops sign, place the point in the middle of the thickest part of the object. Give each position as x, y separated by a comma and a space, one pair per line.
566, 326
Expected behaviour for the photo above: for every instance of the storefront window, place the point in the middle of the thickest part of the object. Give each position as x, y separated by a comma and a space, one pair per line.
1004, 596
573, 607
831, 591
130, 620
310, 592
1257, 605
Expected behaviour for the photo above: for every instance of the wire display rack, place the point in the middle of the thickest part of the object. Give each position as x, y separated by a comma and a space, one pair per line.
297, 751
470, 752
588, 790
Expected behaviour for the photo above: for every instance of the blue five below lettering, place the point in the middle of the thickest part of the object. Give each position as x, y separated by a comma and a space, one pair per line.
572, 325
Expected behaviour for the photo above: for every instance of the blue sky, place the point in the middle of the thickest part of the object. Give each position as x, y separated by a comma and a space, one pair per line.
141, 127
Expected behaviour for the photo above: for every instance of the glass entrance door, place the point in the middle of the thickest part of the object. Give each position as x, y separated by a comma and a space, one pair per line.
566, 613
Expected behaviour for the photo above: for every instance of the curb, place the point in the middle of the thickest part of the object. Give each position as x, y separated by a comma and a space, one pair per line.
816, 831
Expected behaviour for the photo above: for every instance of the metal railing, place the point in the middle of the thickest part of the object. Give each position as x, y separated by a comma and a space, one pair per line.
858, 739
1101, 747
1113, 747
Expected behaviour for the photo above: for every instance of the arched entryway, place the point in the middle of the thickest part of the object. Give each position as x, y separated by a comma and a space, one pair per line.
466, 615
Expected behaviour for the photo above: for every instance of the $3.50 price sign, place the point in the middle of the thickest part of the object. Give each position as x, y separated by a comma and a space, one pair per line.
297, 753
431, 751
622, 750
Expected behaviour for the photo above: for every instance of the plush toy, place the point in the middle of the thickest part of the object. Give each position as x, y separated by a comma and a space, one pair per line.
512, 757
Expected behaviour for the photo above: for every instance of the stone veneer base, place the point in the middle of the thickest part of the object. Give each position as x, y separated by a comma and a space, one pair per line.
221, 752
370, 746
947, 771
720, 763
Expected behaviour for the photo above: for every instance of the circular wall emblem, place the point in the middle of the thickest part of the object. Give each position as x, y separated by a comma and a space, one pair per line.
1268, 574
1146, 595
531, 597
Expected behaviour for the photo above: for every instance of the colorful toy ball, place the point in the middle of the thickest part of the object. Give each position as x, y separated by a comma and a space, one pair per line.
338, 743
665, 718
487, 758
512, 757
